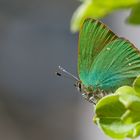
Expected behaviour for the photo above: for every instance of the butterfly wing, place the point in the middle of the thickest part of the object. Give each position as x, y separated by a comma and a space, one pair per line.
93, 38
116, 65
106, 61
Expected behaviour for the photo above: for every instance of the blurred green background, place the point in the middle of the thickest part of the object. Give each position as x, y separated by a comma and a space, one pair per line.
35, 104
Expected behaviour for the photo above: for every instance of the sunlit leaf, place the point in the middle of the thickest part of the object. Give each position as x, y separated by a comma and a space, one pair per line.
116, 3
87, 9
100, 8
134, 17
136, 84
129, 97
118, 115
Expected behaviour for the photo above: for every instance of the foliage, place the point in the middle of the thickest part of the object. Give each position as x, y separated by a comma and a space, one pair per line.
118, 114
99, 8
134, 17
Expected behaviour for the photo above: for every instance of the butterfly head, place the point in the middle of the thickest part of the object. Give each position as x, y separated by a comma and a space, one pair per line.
89, 93
79, 86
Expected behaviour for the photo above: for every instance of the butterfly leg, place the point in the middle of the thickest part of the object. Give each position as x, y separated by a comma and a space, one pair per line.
89, 97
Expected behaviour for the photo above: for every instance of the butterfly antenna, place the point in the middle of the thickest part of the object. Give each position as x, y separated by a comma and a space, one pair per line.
67, 73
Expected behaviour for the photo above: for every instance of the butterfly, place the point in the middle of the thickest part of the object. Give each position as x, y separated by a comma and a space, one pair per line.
105, 61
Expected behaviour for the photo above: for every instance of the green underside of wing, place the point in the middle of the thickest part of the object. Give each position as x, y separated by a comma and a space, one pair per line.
116, 65
104, 60
92, 38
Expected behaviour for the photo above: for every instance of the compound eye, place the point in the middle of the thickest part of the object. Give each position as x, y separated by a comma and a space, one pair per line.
79, 85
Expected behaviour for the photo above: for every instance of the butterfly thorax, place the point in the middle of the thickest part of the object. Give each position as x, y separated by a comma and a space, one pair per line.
89, 93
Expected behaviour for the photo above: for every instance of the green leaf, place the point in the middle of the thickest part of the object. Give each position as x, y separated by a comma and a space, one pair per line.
116, 3
118, 115
87, 9
100, 8
129, 97
84, 0
110, 107
134, 17
136, 84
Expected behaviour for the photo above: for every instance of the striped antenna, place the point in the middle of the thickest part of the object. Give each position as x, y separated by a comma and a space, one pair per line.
67, 73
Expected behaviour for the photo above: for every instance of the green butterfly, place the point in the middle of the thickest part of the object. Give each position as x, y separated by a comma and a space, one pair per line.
105, 61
